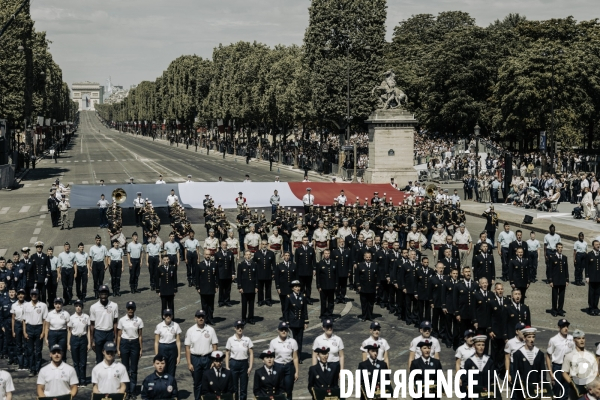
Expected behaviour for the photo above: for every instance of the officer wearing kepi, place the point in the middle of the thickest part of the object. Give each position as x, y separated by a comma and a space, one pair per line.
217, 380
159, 385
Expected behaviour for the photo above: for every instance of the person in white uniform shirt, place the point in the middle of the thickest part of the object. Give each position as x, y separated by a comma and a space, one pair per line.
572, 366
167, 341
160, 180
138, 206
171, 200
129, 344
109, 376
512, 345
341, 199
190, 255
239, 359
286, 357
559, 345
104, 317
56, 327
6, 385
17, 314
465, 351
79, 340
153, 250
189, 179
331, 341
57, 378
382, 344
200, 341
308, 200
99, 256
34, 314
415, 350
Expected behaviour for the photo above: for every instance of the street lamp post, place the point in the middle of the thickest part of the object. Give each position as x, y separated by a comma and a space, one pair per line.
476, 130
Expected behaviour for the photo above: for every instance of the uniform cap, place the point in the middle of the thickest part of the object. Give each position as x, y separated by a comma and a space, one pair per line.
373, 346
168, 311
461, 225
520, 326
189, 176
33, 291
563, 322
130, 304
529, 330
327, 322
200, 313
267, 354
375, 325
322, 350
240, 193
16, 253
578, 334
469, 332
239, 323
56, 347
110, 346
78, 302
480, 338
217, 355
425, 325
308, 189
424, 343
25, 250
58, 300
211, 230
39, 244
295, 283
283, 326
21, 291
103, 288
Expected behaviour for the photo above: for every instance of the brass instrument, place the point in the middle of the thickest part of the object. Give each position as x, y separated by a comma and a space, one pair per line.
430, 191
119, 195
495, 218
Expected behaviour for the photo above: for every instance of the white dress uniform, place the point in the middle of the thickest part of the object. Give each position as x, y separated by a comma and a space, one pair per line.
252, 240
344, 231
462, 241
57, 381
284, 350
390, 237
35, 314
103, 317
167, 333
334, 343
211, 244
435, 346
368, 234
161, 182
238, 348
233, 245
79, 324
276, 246
201, 340
129, 327
341, 199
382, 343
109, 377
463, 353
320, 236
297, 235
308, 199
171, 199
58, 320
6, 384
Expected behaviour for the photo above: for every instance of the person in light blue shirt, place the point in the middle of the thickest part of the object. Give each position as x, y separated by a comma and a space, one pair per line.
172, 248
505, 238
99, 256
66, 270
134, 256
580, 249
550, 241
82, 259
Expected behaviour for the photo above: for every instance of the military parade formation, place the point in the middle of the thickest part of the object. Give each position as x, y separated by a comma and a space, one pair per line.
374, 248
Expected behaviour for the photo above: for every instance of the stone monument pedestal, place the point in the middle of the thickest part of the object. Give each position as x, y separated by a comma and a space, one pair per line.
391, 147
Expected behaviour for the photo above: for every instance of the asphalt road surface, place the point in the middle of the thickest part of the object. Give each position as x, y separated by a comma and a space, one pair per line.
98, 153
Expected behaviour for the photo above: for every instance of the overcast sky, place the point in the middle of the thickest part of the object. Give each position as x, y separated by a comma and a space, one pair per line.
135, 40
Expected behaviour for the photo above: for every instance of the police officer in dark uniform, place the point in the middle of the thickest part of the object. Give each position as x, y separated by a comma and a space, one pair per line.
323, 375
483, 309
8, 344
225, 273
305, 265
381, 259
285, 273
408, 276
247, 285
367, 283
40, 270
423, 290
166, 284
491, 222
207, 285
296, 314
26, 269
218, 380
516, 312
159, 385
497, 331
327, 280
343, 264
518, 273
558, 279
265, 263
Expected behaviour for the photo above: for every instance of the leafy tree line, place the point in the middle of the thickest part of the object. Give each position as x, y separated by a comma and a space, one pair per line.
31, 83
515, 77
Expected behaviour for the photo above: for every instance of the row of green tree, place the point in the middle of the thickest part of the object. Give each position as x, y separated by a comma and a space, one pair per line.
31, 83
515, 77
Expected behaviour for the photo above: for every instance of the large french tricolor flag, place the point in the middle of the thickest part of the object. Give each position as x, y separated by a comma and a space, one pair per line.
257, 194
